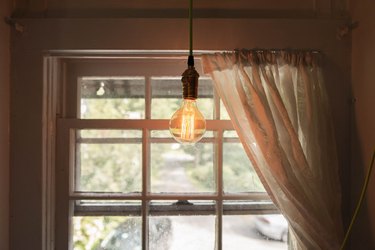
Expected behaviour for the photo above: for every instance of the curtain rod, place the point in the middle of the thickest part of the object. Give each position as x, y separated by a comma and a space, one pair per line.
281, 50
153, 53
130, 52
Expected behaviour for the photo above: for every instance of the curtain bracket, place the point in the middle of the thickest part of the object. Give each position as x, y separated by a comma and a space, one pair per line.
14, 24
345, 29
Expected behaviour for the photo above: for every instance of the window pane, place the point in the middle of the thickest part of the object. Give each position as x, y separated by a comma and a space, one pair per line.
230, 134
182, 168
167, 97
223, 112
261, 232
112, 98
160, 134
182, 232
115, 233
206, 107
238, 173
109, 161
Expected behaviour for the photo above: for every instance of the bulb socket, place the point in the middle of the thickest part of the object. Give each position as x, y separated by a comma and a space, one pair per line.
190, 61
190, 81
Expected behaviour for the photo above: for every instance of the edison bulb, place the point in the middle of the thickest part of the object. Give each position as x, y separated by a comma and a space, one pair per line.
187, 124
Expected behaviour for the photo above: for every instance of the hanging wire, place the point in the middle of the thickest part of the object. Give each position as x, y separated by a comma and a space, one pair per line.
191, 28
359, 204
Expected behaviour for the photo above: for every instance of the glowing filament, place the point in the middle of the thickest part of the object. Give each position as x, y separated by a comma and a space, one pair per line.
187, 124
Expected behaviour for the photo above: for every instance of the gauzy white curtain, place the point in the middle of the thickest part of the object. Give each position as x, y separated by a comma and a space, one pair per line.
278, 105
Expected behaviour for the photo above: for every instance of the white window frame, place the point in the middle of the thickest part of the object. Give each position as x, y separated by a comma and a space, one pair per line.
68, 122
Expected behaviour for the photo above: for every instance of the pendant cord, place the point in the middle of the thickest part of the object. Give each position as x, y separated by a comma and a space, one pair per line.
191, 28
360, 202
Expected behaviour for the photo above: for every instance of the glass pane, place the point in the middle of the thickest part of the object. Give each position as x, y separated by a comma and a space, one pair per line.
163, 108
112, 98
223, 112
182, 168
160, 134
261, 232
167, 96
206, 107
102, 233
238, 173
108, 161
230, 134
182, 232
208, 134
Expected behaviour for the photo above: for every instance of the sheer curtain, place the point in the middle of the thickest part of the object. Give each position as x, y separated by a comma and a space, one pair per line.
279, 107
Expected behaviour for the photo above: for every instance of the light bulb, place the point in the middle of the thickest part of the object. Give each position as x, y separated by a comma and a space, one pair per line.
187, 124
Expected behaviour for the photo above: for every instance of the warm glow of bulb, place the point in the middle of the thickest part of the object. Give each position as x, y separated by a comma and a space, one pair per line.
187, 124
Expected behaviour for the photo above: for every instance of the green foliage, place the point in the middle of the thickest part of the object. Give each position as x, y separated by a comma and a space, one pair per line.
238, 173
111, 167
164, 108
201, 173
90, 231
206, 106
115, 108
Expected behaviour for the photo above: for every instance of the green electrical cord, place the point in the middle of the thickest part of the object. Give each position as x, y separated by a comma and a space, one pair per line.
191, 28
359, 204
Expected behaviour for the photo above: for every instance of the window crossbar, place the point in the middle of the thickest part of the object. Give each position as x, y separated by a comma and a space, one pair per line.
167, 209
151, 140
258, 196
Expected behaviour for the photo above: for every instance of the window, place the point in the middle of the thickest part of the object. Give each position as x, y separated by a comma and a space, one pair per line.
124, 183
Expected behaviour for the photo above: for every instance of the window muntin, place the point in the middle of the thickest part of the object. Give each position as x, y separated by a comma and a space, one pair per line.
147, 202
159, 135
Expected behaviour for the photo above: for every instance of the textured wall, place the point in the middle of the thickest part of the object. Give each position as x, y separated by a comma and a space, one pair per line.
363, 126
4, 126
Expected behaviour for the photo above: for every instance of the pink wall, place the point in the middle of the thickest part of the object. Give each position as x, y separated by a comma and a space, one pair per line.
363, 126
4, 126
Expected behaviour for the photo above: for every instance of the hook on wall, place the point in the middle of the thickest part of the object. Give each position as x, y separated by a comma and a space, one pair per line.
14, 24
345, 29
